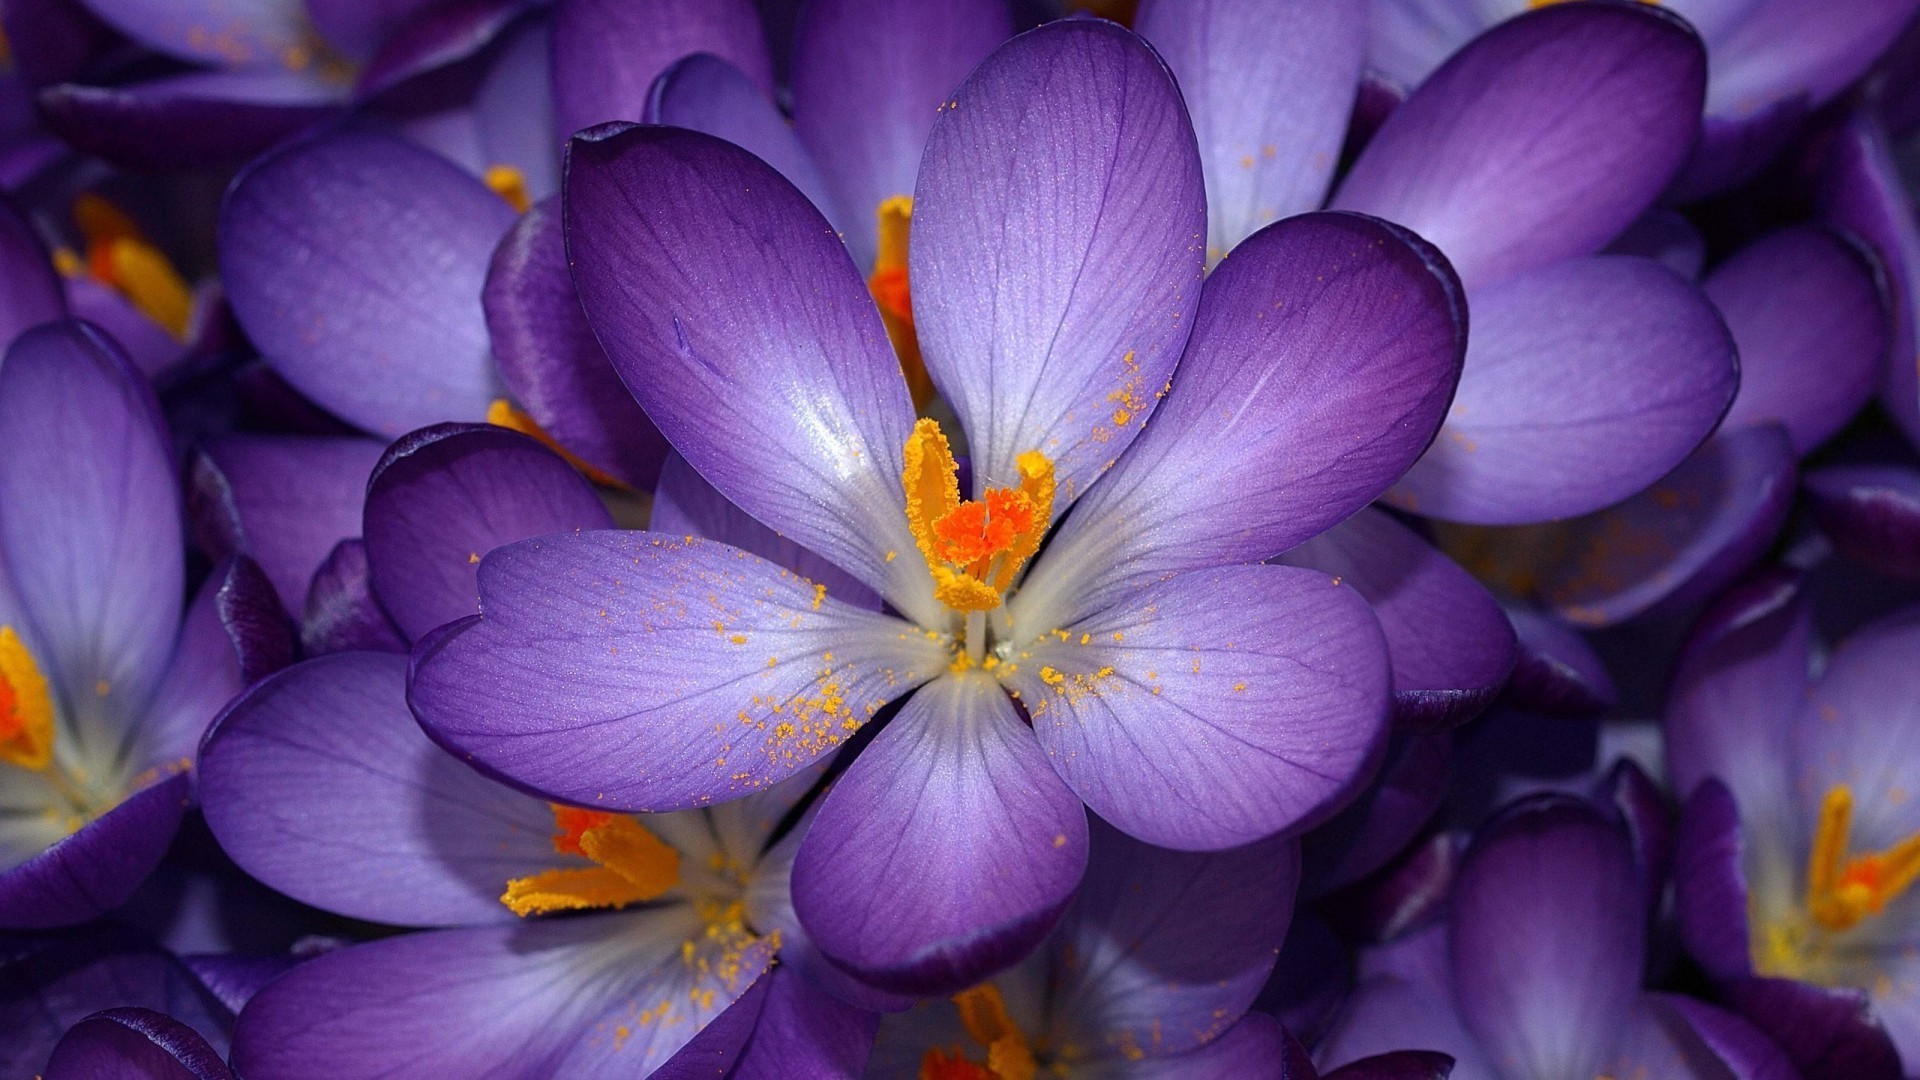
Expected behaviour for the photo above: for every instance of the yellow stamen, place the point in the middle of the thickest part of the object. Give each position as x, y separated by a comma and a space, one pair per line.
894, 295
510, 184
26, 706
976, 547
634, 865
502, 413
121, 257
984, 1012
1843, 890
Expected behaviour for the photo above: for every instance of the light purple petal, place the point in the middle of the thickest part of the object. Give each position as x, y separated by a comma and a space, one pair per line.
1558, 673
358, 27
441, 498
1830, 1033
51, 982
1215, 708
1388, 1014
1585, 382
1547, 939
341, 612
705, 93
1057, 250
1860, 726
151, 347
283, 500
1270, 87
235, 633
1541, 140
1322, 362
94, 870
133, 1042
803, 1031
1710, 901
1736, 1044
355, 262
1384, 819
188, 121
91, 532
869, 78
735, 317
1667, 237
1787, 48
444, 35
513, 107
648, 672
1871, 513
226, 33
606, 53
33, 294
550, 361
1805, 311
948, 848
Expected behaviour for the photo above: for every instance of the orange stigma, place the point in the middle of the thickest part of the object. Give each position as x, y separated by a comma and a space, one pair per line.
633, 865
984, 1013
1843, 889
891, 293
26, 706
974, 547
121, 257
510, 184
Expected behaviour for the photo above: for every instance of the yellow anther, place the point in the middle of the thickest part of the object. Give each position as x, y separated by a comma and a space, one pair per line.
634, 865
975, 547
510, 184
893, 294
121, 257
1844, 890
502, 413
984, 1013
26, 706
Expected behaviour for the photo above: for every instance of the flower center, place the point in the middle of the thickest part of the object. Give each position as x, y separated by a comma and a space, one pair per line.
510, 184
1009, 1055
632, 865
975, 547
26, 707
1843, 889
888, 284
121, 257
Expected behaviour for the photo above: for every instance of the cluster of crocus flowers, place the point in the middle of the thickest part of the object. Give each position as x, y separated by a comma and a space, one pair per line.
959, 539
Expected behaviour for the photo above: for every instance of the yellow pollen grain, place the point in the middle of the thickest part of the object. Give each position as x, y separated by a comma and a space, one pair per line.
510, 184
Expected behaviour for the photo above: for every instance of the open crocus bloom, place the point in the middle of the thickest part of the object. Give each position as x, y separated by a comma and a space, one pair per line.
105, 683
1536, 973
1799, 844
1192, 698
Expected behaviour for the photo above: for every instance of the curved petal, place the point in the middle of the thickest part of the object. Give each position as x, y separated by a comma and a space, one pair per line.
1163, 951
705, 93
1710, 902
1451, 645
1805, 311
946, 851
91, 532
737, 320
341, 612
1829, 1033
803, 1032
1665, 236
319, 783
1871, 513
358, 27
1540, 140
1270, 88
94, 870
1055, 256
50, 982
1322, 362
282, 500
550, 361
592, 996
196, 120
127, 1042
1737, 1044
1383, 820
235, 633
445, 496
1215, 708
1860, 726
1398, 1065
443, 35
33, 294
1388, 1015
1558, 673
1787, 48
1547, 938
869, 79
355, 262
1585, 382
606, 53
227, 33
153, 349
639, 671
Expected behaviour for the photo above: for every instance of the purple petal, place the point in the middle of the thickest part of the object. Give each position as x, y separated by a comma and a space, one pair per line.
1737, 1044
1385, 818
283, 500
153, 350
228, 33
341, 612
632, 670
869, 79
550, 361
355, 261
1055, 262
1860, 727
1163, 951
1787, 48
190, 121
1398, 1065
358, 27
1547, 938
1732, 149
319, 783
741, 326
443, 497
684, 504
1558, 673
94, 870
1666, 237
50, 983
1709, 883
705, 93
1540, 141
1585, 382
54, 40
953, 794
1871, 513
1245, 1051
91, 532
804, 1032
592, 996
1804, 308
235, 633
1215, 708
720, 1044
1306, 415
606, 53
129, 1042
1270, 87
445, 34
1389, 1015
1407, 895
1451, 645
1829, 1033
33, 294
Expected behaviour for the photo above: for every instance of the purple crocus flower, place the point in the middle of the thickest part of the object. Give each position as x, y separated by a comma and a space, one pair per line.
105, 682
1797, 847
1772, 63
1536, 972
1056, 262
